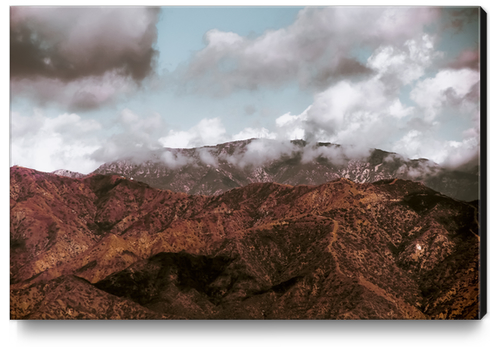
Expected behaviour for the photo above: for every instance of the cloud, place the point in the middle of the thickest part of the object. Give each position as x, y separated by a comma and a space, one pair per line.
418, 170
335, 154
88, 55
457, 17
316, 50
469, 58
359, 115
69, 141
259, 152
359, 106
206, 132
133, 136
48, 144
366, 114
82, 58
452, 154
454, 88
406, 63
250, 133
207, 156
291, 126
78, 95
68, 43
174, 160
22, 126
142, 127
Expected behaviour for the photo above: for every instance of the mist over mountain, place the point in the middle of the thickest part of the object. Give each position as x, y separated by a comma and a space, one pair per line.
68, 173
212, 170
107, 247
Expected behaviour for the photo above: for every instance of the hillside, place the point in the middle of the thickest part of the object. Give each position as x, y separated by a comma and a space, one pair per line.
107, 247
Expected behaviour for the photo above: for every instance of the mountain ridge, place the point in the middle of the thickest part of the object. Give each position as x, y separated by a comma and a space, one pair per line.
212, 170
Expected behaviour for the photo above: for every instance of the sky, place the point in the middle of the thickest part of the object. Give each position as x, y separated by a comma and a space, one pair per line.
90, 85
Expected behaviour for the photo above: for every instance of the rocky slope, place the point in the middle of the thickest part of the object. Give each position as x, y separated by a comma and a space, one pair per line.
106, 247
216, 169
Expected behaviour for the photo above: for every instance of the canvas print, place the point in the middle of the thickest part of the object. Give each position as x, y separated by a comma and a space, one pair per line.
246, 163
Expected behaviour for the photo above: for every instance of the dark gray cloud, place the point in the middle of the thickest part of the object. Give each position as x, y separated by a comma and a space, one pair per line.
70, 43
344, 68
81, 57
466, 59
458, 17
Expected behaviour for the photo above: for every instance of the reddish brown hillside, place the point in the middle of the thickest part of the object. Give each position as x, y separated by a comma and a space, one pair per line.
394, 249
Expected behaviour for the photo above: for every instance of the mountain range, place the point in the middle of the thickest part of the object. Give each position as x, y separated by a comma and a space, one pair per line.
213, 170
104, 246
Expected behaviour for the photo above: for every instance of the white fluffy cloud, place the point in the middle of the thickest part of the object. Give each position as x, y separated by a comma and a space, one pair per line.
407, 62
68, 141
210, 132
49, 144
174, 160
359, 114
315, 50
453, 88
259, 152
291, 126
453, 154
207, 157
368, 113
206, 132
251, 133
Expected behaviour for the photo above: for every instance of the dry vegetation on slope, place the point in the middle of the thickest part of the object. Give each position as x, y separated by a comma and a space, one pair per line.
104, 247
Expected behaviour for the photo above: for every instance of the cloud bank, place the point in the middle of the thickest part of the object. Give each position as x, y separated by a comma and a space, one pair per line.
318, 49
